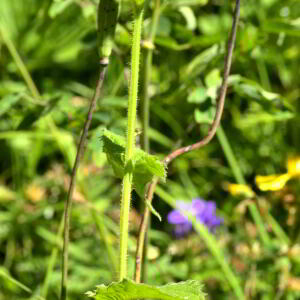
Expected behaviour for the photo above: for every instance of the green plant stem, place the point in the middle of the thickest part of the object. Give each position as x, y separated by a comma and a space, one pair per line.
237, 172
105, 237
263, 74
4, 274
20, 64
235, 168
278, 231
52, 260
130, 143
80, 149
145, 99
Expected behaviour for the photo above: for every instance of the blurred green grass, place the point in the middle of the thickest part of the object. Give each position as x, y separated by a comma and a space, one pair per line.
48, 64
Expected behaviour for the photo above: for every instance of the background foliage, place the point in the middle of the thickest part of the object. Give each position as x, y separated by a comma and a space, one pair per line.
55, 42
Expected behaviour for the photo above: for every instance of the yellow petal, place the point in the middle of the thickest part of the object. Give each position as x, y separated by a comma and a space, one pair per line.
148, 45
293, 165
153, 252
272, 182
240, 189
35, 193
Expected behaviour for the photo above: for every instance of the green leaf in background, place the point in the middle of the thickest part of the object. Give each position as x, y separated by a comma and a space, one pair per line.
4, 275
128, 289
187, 2
288, 27
250, 119
153, 210
58, 7
145, 166
199, 62
189, 16
8, 102
33, 115
249, 88
6, 194
213, 24
205, 117
213, 78
198, 95
248, 38
213, 81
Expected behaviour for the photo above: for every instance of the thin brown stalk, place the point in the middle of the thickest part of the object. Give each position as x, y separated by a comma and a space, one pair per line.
142, 232
80, 150
198, 145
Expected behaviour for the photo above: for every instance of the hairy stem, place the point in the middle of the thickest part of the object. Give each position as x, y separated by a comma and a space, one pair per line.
130, 143
80, 150
201, 143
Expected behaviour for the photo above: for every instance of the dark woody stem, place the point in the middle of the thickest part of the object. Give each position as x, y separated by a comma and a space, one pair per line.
80, 150
198, 145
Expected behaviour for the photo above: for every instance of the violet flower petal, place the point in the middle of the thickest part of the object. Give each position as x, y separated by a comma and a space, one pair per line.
204, 211
182, 229
175, 217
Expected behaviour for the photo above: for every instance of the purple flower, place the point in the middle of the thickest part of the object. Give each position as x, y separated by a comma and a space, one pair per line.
204, 211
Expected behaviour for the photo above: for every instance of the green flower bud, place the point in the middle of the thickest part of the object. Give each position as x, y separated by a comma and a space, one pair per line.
108, 11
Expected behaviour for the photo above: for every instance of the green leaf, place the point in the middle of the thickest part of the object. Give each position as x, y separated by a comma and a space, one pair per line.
145, 166
189, 16
6, 276
138, 3
6, 194
198, 95
214, 24
249, 88
153, 210
213, 78
187, 2
7, 102
33, 115
57, 7
288, 27
128, 289
171, 43
205, 117
198, 64
251, 119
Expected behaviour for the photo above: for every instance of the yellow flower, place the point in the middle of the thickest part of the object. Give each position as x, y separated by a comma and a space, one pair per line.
277, 182
293, 166
240, 189
272, 182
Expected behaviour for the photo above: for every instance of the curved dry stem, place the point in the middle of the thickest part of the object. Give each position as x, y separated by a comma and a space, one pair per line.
198, 145
80, 150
